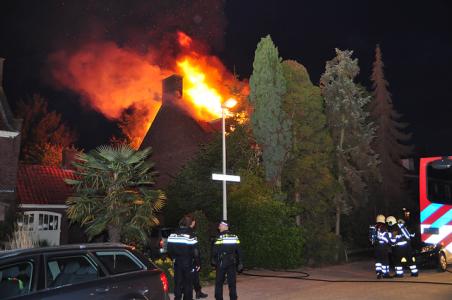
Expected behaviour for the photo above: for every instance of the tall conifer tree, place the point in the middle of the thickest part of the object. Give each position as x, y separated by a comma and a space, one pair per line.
390, 142
270, 124
308, 169
308, 177
355, 161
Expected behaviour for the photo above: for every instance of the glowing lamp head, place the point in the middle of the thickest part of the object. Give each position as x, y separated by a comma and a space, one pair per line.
230, 103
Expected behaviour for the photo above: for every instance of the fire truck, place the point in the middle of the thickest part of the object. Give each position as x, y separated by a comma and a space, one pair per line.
435, 200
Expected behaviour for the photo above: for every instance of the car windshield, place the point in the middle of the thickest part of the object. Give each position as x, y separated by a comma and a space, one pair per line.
439, 185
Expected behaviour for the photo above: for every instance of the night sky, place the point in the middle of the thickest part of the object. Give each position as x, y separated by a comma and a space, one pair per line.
415, 38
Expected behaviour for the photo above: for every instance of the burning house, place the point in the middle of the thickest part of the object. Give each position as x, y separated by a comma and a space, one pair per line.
174, 136
125, 86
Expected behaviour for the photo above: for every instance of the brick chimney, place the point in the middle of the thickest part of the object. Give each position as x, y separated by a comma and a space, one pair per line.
9, 152
172, 88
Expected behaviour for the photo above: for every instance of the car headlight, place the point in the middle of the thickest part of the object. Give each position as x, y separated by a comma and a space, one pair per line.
427, 248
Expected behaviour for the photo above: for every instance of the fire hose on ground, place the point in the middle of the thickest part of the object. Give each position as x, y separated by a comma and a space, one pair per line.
306, 276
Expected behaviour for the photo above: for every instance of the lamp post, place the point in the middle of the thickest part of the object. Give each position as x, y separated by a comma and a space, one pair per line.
230, 103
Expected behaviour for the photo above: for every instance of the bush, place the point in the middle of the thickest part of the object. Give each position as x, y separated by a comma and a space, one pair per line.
203, 234
266, 227
22, 239
322, 247
166, 265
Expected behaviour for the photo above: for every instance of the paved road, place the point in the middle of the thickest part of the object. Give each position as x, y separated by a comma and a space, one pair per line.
250, 288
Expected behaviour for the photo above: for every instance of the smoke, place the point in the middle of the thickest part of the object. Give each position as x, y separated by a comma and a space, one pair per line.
119, 52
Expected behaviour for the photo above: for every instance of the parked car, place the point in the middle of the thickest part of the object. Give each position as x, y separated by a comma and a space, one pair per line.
85, 271
431, 255
158, 242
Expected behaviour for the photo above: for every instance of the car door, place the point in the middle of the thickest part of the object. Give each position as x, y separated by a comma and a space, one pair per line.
129, 277
71, 275
18, 277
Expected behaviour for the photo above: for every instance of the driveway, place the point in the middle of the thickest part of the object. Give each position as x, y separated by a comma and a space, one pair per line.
411, 288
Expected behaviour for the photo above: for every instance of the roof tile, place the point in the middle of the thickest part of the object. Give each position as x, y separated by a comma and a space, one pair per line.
38, 184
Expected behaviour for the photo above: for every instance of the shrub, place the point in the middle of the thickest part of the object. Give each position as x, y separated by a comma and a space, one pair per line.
166, 265
266, 227
203, 234
322, 247
21, 239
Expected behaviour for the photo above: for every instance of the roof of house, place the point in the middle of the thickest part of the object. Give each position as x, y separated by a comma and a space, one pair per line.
38, 184
175, 138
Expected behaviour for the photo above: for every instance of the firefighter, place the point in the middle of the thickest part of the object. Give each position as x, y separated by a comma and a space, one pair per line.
227, 259
380, 238
407, 251
183, 249
401, 241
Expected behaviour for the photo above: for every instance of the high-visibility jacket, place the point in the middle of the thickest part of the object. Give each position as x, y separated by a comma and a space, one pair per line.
226, 250
399, 237
183, 246
381, 235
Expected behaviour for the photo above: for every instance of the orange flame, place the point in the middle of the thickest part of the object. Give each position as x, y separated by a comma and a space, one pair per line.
125, 85
207, 83
183, 39
206, 99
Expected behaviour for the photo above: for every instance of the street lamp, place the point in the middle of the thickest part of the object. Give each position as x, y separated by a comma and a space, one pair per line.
228, 104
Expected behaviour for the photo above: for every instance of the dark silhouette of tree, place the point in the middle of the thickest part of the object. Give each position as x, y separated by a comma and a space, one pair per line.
352, 133
308, 176
390, 143
269, 122
44, 134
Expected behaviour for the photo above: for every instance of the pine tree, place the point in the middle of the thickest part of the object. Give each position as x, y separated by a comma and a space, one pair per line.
308, 176
390, 142
355, 161
270, 124
308, 169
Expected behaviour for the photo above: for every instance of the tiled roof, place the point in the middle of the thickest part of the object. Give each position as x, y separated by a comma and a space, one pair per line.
38, 184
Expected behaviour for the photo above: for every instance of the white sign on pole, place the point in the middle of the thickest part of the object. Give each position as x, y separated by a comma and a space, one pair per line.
223, 177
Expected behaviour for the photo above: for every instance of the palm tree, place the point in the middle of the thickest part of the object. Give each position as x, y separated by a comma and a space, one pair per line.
113, 192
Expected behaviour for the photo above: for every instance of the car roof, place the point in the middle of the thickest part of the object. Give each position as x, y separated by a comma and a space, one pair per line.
40, 250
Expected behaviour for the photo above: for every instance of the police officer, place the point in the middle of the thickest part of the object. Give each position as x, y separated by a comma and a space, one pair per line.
227, 259
380, 238
183, 249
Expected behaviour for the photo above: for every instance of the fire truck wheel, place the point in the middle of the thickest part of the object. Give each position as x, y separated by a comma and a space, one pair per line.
442, 262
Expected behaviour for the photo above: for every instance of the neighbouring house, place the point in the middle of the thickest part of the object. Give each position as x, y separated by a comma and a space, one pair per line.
174, 136
9, 153
42, 194
36, 194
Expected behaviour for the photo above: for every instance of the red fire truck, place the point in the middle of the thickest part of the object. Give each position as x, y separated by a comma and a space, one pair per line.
435, 200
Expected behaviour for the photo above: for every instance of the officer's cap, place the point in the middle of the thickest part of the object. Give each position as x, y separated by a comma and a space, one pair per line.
224, 222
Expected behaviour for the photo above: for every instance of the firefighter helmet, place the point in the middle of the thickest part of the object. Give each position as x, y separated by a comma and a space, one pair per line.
401, 221
380, 219
391, 220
